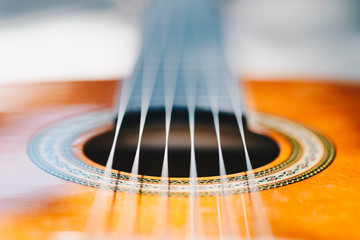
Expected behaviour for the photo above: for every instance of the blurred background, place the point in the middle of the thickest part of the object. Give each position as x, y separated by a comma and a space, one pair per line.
64, 40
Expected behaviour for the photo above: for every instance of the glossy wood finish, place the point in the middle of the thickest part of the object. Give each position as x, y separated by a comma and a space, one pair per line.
36, 205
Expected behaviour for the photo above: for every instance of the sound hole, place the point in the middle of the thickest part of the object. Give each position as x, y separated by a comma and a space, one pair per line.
262, 149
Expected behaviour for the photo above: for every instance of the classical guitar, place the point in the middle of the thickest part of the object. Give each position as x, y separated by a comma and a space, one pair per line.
173, 153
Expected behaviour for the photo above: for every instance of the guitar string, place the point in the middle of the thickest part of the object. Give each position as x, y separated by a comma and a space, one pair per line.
171, 63
99, 204
224, 70
193, 164
151, 71
145, 104
190, 89
261, 220
98, 207
213, 96
172, 58
193, 168
169, 99
128, 202
144, 109
171, 68
213, 75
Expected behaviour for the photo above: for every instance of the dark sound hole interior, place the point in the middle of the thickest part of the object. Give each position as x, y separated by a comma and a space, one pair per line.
262, 149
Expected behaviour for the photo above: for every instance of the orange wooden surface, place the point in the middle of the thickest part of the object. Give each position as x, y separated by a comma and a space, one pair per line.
36, 205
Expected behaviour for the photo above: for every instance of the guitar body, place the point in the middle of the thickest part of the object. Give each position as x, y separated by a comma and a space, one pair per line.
39, 203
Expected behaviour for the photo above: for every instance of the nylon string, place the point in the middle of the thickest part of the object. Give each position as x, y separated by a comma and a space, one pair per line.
154, 48
261, 223
211, 71
196, 57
